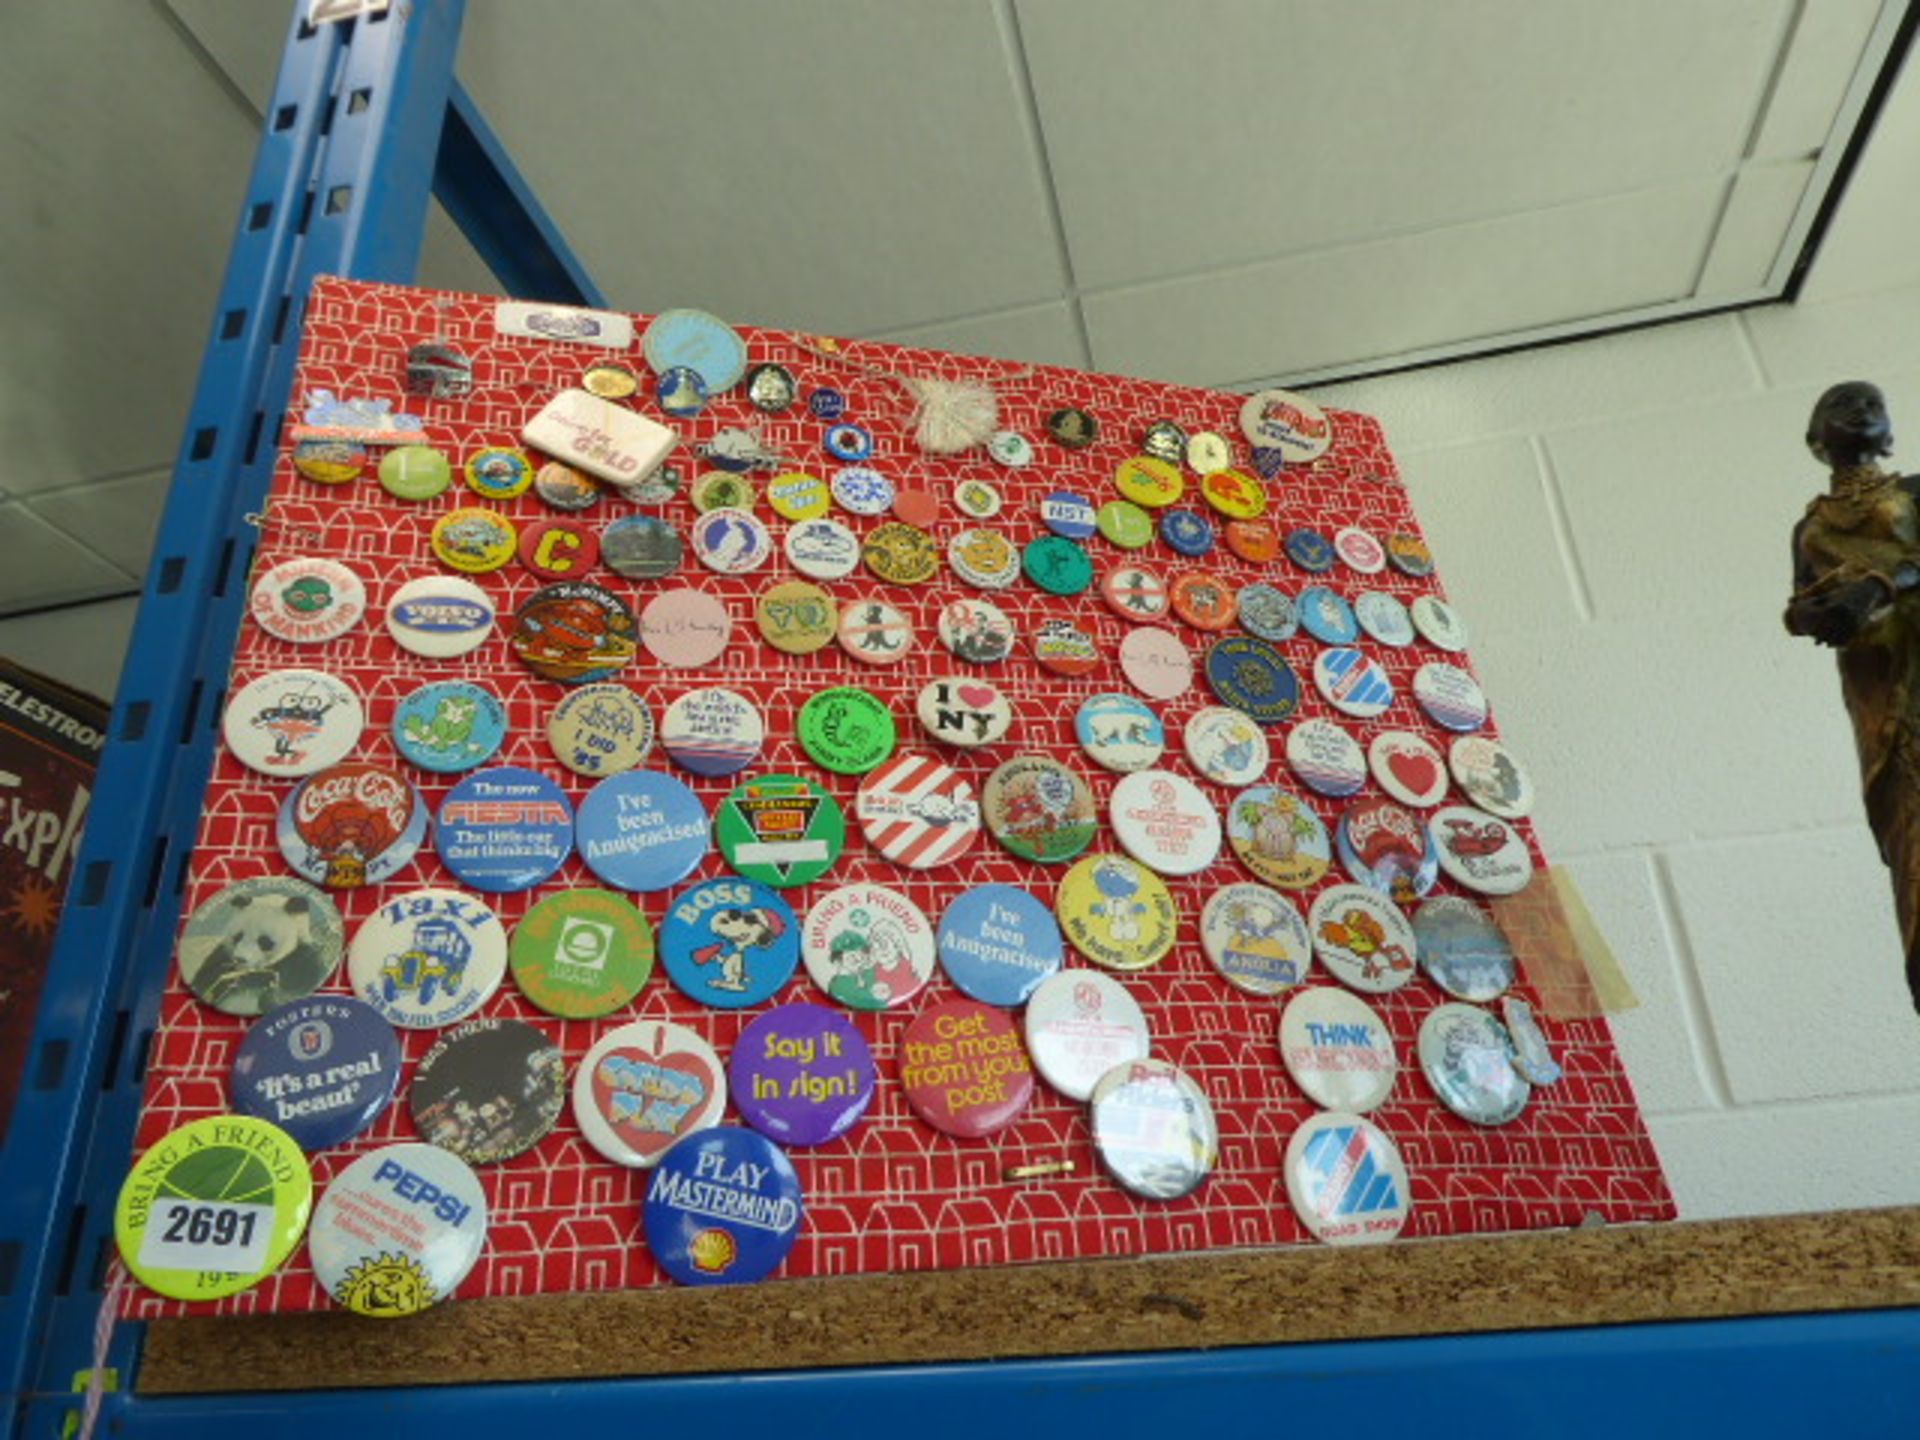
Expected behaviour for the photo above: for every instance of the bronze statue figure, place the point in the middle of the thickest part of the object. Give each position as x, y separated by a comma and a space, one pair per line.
1856, 587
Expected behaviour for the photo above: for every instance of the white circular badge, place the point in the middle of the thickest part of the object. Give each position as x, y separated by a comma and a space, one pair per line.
1154, 1128
712, 731
965, 712
1165, 822
1080, 1024
917, 812
293, 722
731, 541
1255, 938
1337, 1049
1362, 938
1439, 623
1346, 1180
977, 631
1327, 759
822, 549
645, 1085
1353, 683
1467, 1057
1481, 851
440, 616
428, 958
1450, 696
868, 947
1292, 424
308, 600
874, 632
398, 1230
1492, 778
1408, 768
1225, 746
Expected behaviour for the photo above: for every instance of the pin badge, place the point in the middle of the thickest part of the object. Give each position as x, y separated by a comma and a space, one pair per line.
1467, 1057
1346, 1180
802, 1074
1154, 1128
1117, 913
1278, 837
1255, 938
1338, 1049
782, 830
351, 825
428, 958
729, 942
293, 722
868, 947
712, 732
724, 1207
581, 953
259, 944
504, 829
645, 1085
1080, 1024
1362, 939
489, 1090
448, 726
308, 600
964, 1069
1039, 809
398, 1230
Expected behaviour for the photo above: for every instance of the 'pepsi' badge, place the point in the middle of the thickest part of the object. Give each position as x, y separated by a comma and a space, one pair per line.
398, 1230
322, 1069
998, 943
504, 829
641, 830
729, 943
645, 1085
802, 1074
724, 1208
1346, 1180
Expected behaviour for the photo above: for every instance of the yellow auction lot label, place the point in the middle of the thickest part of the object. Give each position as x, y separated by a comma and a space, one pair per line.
213, 1208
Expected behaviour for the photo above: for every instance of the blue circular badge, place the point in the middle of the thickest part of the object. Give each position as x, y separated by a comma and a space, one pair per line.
702, 343
322, 1069
1327, 617
1068, 515
504, 829
997, 943
849, 442
729, 942
1310, 550
1254, 678
827, 404
642, 830
450, 725
681, 392
724, 1208
1187, 532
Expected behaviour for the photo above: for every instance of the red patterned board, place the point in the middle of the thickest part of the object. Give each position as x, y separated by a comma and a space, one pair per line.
893, 1194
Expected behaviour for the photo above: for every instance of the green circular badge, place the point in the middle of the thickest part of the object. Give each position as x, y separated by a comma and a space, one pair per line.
1058, 566
414, 472
781, 830
581, 953
213, 1208
1125, 524
846, 730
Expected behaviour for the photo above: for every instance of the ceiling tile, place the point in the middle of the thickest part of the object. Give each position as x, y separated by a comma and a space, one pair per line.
1038, 334
1394, 296
1827, 41
1753, 227
1870, 246
850, 167
118, 518
1218, 131
47, 567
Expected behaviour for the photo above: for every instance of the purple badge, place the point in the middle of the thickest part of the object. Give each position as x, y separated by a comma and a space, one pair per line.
801, 1074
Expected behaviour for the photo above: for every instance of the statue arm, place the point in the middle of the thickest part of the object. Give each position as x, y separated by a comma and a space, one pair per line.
1832, 598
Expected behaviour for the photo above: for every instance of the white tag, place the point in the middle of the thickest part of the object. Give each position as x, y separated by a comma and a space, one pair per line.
206, 1235
602, 437
560, 322
328, 12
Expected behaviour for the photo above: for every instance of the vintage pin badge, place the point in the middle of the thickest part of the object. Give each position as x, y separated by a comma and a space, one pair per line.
256, 945
1338, 1049
322, 1069
504, 829
782, 830
1039, 809
917, 811
350, 825
600, 730
643, 1086
398, 1230
488, 1090
1278, 837
1467, 1057
581, 953
802, 1074
1463, 950
868, 947
292, 722
641, 830
1255, 938
308, 600
1079, 1025
1362, 938
1117, 912
725, 1207
964, 1069
448, 726
428, 958
1346, 1180
729, 942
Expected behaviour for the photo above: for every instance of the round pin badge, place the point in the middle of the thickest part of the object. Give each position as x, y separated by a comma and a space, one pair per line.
963, 712
474, 540
489, 1090
1058, 566
610, 381
1124, 524
1208, 451
782, 830
799, 496
1164, 821
1267, 613
917, 509
977, 499
1255, 938
901, 554
561, 487
1204, 601
802, 1074
862, 490
1149, 482
666, 481
1119, 732
868, 947
712, 732
964, 1069
1408, 768
826, 403
1409, 554
917, 812
1487, 771
1278, 837
846, 730
1156, 662
1439, 623
848, 441
1234, 494
354, 824
875, 633
1039, 809
724, 1208
686, 629
641, 830
1225, 745
398, 1230
1254, 678
697, 341
1063, 648
1292, 424
1010, 448
308, 600
600, 730
259, 944
1346, 1180
574, 632
1360, 550
1362, 938
1254, 541
1463, 949
293, 722
558, 549
1467, 1057
1073, 428
797, 617
822, 549
504, 829
1327, 759
1386, 848
428, 958
1481, 851
1450, 696
729, 942
1384, 618
644, 1086
723, 490
732, 542
322, 1069
977, 631
641, 547
1068, 514
985, 559
1187, 533
1164, 440
1310, 550
1327, 617
213, 1208
581, 953
330, 462
1352, 683
440, 616
680, 392
770, 388
1080, 1024
1338, 1050
447, 726
1154, 1128
1117, 912
997, 943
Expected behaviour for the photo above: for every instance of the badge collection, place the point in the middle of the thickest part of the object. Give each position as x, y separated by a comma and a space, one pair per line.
1037, 781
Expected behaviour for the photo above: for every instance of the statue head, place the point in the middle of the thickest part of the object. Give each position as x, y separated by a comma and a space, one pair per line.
1849, 425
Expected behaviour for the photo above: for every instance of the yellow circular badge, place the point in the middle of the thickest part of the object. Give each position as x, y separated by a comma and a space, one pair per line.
799, 496
474, 540
213, 1208
1150, 482
1117, 912
901, 554
797, 617
1235, 494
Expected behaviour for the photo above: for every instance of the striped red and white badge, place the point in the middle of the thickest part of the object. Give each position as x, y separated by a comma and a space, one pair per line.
918, 812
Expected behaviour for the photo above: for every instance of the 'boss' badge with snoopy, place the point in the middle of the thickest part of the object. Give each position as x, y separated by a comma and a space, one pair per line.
729, 942
724, 1208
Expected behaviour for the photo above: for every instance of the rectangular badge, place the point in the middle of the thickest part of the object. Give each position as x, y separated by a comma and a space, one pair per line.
600, 437
561, 322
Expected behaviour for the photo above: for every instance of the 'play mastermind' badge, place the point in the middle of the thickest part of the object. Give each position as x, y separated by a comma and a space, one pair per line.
724, 1208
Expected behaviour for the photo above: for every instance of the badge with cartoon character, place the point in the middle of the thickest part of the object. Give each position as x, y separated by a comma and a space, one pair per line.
574, 632
258, 944
1362, 937
1467, 1056
1256, 939
293, 722
1117, 912
1278, 838
868, 947
449, 725
729, 942
428, 958
398, 1230
1039, 809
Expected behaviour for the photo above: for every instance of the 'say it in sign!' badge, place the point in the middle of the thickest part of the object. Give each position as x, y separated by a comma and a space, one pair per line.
802, 1074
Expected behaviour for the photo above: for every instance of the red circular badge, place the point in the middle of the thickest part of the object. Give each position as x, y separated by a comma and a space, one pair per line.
559, 549
1253, 540
1134, 593
1204, 601
965, 1069
916, 507
1064, 648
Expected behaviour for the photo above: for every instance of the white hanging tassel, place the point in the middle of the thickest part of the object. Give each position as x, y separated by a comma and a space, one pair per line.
951, 415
